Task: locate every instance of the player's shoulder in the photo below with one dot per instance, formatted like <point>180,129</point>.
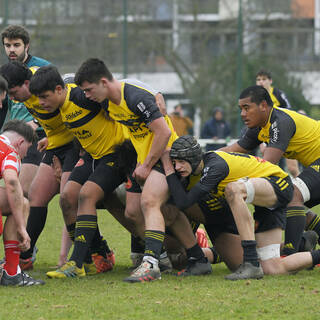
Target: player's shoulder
<point>281,114</point>
<point>78,97</point>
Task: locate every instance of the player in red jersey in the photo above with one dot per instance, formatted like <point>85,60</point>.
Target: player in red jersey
<point>15,140</point>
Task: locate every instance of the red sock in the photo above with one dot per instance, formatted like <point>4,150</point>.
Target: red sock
<point>12,253</point>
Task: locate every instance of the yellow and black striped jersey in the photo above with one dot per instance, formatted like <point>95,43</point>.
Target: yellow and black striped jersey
<point>56,132</point>
<point>221,168</point>
<point>295,134</point>
<point>279,98</point>
<point>137,109</point>
<point>88,122</point>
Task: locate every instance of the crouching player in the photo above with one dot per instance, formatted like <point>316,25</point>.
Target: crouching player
<point>15,140</point>
<point>227,182</point>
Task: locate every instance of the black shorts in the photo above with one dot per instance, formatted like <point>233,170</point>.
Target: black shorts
<point>311,177</point>
<point>133,186</point>
<point>219,221</point>
<point>283,189</point>
<point>272,218</point>
<point>268,219</point>
<point>100,171</point>
<point>34,156</point>
<point>68,155</point>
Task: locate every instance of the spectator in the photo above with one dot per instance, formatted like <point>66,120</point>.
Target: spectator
<point>279,98</point>
<point>216,128</point>
<point>180,123</point>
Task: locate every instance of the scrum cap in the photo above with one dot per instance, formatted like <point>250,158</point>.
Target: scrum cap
<point>187,148</point>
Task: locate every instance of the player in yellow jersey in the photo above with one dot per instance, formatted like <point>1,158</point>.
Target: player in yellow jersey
<point>97,174</point>
<point>292,135</point>
<point>87,184</point>
<point>228,182</point>
<point>58,141</point>
<point>150,134</point>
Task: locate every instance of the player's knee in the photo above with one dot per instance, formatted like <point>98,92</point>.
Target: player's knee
<point>131,214</point>
<point>232,190</point>
<point>149,203</point>
<point>67,201</point>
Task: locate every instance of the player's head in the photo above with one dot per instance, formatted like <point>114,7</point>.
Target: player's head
<point>18,76</point>
<point>20,134</point>
<point>47,84</point>
<point>3,89</point>
<point>186,155</point>
<point>255,104</point>
<point>94,78</point>
<point>16,41</point>
<point>263,78</point>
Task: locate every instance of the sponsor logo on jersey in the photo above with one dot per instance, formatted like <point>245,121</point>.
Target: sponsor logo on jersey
<point>141,106</point>
<point>83,134</point>
<point>73,115</point>
<point>275,135</point>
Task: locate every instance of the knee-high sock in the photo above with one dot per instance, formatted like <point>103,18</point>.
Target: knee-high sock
<point>296,220</point>
<point>85,229</point>
<point>36,222</point>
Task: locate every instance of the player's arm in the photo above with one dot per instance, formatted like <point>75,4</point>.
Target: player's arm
<point>161,103</point>
<point>279,138</point>
<point>215,171</point>
<point>272,155</point>
<point>15,200</point>
<point>235,147</point>
<point>161,138</point>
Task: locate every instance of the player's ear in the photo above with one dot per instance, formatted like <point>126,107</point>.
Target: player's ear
<point>104,81</point>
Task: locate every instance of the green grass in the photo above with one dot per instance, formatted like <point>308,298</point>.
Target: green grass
<point>106,296</point>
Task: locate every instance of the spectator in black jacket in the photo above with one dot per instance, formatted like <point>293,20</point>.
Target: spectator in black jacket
<point>216,128</point>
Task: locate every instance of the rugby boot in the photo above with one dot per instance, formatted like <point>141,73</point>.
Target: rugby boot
<point>68,270</point>
<point>21,279</point>
<point>146,272</point>
<point>246,271</point>
<point>196,267</point>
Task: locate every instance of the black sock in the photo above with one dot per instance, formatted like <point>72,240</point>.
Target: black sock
<point>154,241</point>
<point>71,228</point>
<point>250,252</point>
<point>85,229</point>
<point>96,241</point>
<point>296,220</point>
<point>314,225</point>
<point>216,256</point>
<point>36,222</point>
<point>196,252</point>
<point>137,245</point>
<point>315,257</point>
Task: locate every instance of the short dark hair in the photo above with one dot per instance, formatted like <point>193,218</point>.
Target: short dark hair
<point>16,73</point>
<point>263,72</point>
<point>3,85</point>
<point>92,70</point>
<point>16,32</point>
<point>21,128</point>
<point>257,94</point>
<point>46,78</point>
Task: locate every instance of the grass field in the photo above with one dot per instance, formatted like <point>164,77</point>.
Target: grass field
<point>106,296</point>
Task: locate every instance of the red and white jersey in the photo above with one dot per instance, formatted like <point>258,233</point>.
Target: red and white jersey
<point>9,158</point>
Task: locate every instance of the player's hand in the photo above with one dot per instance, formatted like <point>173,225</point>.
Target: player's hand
<point>141,173</point>
<point>43,144</point>
<point>24,239</point>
